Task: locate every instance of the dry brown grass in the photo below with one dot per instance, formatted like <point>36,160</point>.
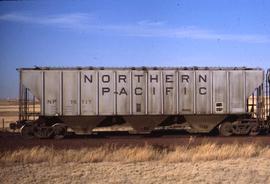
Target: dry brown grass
<point>109,153</point>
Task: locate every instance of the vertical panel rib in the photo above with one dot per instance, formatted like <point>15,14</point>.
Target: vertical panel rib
<point>212,90</point>
<point>194,92</point>
<point>79,92</point>
<point>42,93</point>
<point>161,91</point>
<point>177,91</point>
<point>61,93</point>
<point>245,95</point>
<point>131,92</point>
<point>97,94</point>
<point>114,93</point>
<point>146,92</point>
<point>228,93</point>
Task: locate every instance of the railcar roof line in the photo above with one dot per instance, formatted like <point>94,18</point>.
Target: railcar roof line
<point>138,68</point>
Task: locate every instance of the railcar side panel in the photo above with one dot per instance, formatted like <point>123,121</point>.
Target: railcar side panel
<point>52,91</point>
<point>219,92</point>
<point>254,79</point>
<point>154,92</point>
<point>89,92</point>
<point>141,91</point>
<point>107,92</point>
<point>139,80</point>
<point>203,92</point>
<point>70,93</point>
<point>170,91</point>
<point>237,91</point>
<point>33,81</point>
<point>186,92</point>
<point>123,92</point>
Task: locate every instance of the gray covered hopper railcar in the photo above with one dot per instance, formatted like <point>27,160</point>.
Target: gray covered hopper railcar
<point>197,99</point>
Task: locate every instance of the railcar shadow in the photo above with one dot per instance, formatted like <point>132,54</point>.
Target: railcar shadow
<point>126,134</point>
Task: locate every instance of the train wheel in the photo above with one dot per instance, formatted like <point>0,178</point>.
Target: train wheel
<point>27,131</point>
<point>254,130</point>
<point>43,132</point>
<point>59,131</point>
<point>225,129</point>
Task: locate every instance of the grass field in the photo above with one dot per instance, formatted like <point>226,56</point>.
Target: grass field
<point>206,163</point>
<point>111,153</point>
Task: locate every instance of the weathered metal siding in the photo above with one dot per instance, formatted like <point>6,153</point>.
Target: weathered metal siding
<point>139,81</point>
<point>186,92</point>
<point>89,92</point>
<point>237,91</point>
<point>170,91</point>
<point>253,78</point>
<point>70,93</point>
<point>123,92</point>
<point>220,91</point>
<point>52,91</point>
<point>142,91</point>
<point>155,99</point>
<point>33,80</point>
<point>106,95</point>
<point>203,92</point>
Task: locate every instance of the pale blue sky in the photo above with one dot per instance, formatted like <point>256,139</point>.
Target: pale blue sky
<point>131,33</point>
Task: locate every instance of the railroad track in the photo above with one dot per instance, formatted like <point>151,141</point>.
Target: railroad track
<point>13,141</point>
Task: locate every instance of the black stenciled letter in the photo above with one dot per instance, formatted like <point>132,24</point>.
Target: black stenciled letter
<point>153,78</point>
<point>168,78</point>
<point>139,77</point>
<point>105,90</point>
<point>201,78</point>
<point>138,91</point>
<point>185,78</point>
<point>202,90</point>
<point>123,91</point>
<point>90,79</point>
<point>168,89</point>
<point>154,91</point>
<point>105,78</point>
<point>122,77</point>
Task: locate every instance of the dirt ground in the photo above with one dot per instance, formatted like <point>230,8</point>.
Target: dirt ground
<point>254,170</point>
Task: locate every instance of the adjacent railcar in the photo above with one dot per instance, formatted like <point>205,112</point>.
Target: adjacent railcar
<point>194,98</point>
